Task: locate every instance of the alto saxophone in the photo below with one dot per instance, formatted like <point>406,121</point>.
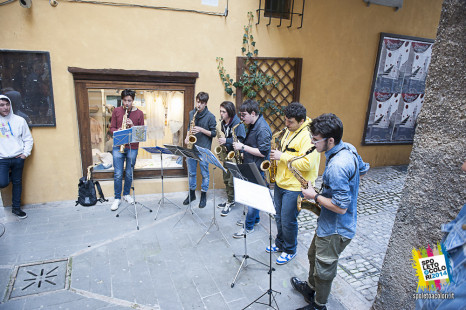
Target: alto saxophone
<point>235,154</point>
<point>271,165</point>
<point>301,202</point>
<point>221,150</point>
<point>123,127</point>
<point>192,138</point>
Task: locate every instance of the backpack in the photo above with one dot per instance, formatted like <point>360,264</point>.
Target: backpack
<point>87,195</point>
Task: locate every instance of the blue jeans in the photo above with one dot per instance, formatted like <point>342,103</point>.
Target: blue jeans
<point>118,160</point>
<point>253,217</point>
<point>287,219</point>
<point>15,165</point>
<point>192,172</point>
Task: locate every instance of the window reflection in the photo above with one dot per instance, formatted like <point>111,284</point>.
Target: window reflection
<point>163,115</point>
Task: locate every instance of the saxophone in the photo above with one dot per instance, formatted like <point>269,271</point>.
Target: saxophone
<point>221,150</point>
<point>235,154</point>
<point>123,127</point>
<point>301,202</point>
<point>271,165</point>
<point>192,138</point>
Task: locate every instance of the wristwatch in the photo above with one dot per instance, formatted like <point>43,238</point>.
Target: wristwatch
<point>242,148</point>
<point>315,197</point>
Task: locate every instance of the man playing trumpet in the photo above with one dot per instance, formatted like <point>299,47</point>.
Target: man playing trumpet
<point>295,142</point>
<point>229,121</point>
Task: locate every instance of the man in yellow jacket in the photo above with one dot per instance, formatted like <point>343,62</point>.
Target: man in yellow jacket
<point>295,141</point>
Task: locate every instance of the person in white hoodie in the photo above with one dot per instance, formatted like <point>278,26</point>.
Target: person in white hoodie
<point>15,145</point>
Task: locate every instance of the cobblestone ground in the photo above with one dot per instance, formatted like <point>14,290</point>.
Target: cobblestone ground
<point>361,262</point>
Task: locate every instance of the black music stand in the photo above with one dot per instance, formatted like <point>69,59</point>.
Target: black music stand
<point>265,204</point>
<point>250,173</point>
<point>134,134</point>
<point>210,158</point>
<point>188,153</point>
<point>161,151</point>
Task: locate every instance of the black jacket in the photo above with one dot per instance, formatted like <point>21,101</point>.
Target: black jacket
<point>259,136</point>
<point>240,132</point>
<point>206,120</point>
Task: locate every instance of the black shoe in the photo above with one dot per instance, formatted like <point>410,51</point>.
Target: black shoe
<point>192,194</point>
<point>313,306</point>
<point>19,213</point>
<point>304,289</point>
<point>221,205</point>
<point>203,201</point>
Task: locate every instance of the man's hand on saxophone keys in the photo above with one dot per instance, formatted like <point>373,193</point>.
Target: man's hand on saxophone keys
<point>222,141</point>
<point>309,192</point>
<point>275,155</point>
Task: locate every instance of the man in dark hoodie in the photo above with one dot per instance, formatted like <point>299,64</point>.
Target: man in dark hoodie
<point>204,130</point>
<point>16,145</point>
<point>229,122</point>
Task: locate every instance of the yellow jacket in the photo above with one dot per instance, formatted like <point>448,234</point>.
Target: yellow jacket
<point>308,165</point>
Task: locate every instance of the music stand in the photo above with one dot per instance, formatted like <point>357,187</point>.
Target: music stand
<point>244,173</point>
<point>134,134</point>
<point>188,153</point>
<point>262,200</point>
<point>210,158</point>
<point>161,151</point>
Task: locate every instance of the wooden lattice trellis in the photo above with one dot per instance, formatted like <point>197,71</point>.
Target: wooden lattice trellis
<point>287,74</point>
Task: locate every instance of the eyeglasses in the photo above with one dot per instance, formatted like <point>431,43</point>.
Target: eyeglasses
<point>314,141</point>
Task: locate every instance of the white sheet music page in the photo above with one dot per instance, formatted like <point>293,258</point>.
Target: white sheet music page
<point>253,195</point>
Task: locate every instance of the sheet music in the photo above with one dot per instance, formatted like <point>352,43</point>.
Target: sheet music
<point>253,195</point>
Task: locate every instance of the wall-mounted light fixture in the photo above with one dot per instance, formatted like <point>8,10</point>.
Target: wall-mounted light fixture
<point>53,3</point>
<point>25,3</point>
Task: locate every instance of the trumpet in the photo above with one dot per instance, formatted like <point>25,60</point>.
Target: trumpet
<point>221,150</point>
<point>303,203</point>
<point>123,127</point>
<point>192,138</point>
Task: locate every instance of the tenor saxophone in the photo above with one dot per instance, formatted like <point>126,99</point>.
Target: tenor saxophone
<point>123,127</point>
<point>221,150</point>
<point>302,203</point>
<point>192,138</point>
<point>271,165</point>
<point>235,154</point>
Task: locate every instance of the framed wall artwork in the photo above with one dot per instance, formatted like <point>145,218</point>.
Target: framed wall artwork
<point>398,87</point>
<point>26,78</point>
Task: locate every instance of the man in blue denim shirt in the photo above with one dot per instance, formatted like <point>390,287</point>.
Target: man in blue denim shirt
<point>454,242</point>
<point>336,225</point>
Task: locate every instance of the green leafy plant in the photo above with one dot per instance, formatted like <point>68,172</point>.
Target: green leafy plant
<point>253,80</point>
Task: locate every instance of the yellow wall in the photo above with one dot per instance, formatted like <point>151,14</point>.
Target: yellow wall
<point>338,44</point>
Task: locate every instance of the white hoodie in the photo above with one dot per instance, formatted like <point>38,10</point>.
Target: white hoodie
<point>15,137</point>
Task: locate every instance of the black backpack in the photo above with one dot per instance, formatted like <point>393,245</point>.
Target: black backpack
<point>87,195</point>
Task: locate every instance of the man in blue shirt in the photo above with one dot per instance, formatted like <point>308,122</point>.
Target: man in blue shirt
<point>336,225</point>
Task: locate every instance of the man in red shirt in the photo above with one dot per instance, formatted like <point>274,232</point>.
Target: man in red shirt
<point>135,117</point>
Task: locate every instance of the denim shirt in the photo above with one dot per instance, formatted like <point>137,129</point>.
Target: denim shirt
<point>341,184</point>
<point>454,242</point>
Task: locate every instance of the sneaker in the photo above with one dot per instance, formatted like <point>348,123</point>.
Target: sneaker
<point>272,249</point>
<point>313,306</point>
<point>115,204</point>
<point>221,205</point>
<point>240,234</point>
<point>227,208</point>
<point>19,213</point>
<point>128,199</point>
<point>240,223</point>
<point>285,258</point>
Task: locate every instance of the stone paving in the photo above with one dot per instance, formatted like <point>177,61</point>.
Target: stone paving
<point>361,262</point>
<point>108,264</point>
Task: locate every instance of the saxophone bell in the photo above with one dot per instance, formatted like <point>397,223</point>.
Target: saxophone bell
<point>265,165</point>
<point>308,205</point>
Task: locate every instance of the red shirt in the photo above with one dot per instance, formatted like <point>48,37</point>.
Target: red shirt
<point>117,118</point>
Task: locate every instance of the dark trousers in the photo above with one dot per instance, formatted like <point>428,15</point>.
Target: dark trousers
<point>228,180</point>
<point>15,165</point>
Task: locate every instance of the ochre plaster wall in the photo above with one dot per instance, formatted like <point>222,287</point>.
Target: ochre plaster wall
<point>338,44</point>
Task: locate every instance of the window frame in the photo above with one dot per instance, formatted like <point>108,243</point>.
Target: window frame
<point>85,79</point>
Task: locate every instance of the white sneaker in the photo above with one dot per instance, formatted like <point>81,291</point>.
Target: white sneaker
<point>128,199</point>
<point>115,204</point>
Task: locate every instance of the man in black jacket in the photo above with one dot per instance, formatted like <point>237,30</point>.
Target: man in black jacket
<point>256,149</point>
<point>229,121</point>
<point>204,130</point>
